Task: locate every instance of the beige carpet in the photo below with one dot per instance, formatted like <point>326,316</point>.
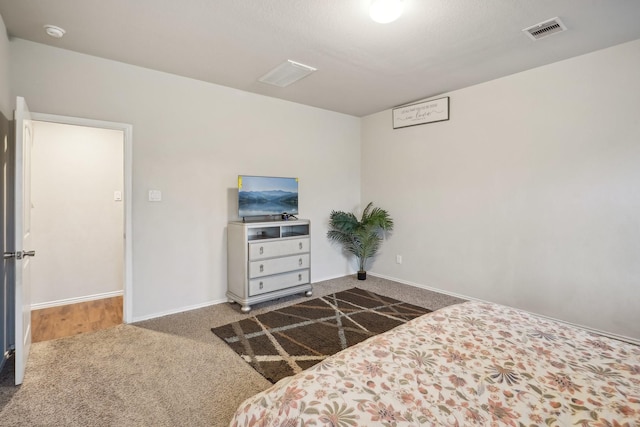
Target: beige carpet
<point>163,372</point>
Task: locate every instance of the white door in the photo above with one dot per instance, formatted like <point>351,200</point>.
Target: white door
<point>23,252</point>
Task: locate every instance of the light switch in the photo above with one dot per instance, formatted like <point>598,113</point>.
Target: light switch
<point>117,196</point>
<point>155,195</point>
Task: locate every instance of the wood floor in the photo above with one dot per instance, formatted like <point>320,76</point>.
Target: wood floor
<point>73,319</point>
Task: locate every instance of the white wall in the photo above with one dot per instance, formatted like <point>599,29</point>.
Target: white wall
<point>78,227</point>
<point>528,196</point>
<point>5,99</point>
<point>190,140</point>
<point>6,267</point>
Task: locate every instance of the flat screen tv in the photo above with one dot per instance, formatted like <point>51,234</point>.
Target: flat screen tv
<point>267,196</point>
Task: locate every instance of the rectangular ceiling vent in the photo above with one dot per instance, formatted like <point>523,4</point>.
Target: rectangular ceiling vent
<point>286,73</point>
<point>545,29</point>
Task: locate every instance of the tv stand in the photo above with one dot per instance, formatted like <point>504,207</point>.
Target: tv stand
<point>267,260</point>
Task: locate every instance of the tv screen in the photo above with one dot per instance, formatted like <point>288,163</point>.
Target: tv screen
<point>267,195</point>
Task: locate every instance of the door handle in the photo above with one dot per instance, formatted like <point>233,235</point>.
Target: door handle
<point>19,254</point>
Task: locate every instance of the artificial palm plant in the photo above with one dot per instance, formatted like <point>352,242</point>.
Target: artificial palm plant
<point>363,237</point>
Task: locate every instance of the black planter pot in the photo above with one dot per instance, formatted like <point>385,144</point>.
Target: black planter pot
<point>362,275</point>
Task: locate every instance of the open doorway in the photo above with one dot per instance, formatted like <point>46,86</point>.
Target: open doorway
<point>77,220</point>
<point>81,215</point>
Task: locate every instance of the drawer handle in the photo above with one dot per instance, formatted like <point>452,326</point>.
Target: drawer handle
<point>299,277</point>
<point>300,245</point>
<point>300,261</point>
<point>261,285</point>
<point>261,269</point>
<point>261,250</point>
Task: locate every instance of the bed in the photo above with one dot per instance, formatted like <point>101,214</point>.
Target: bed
<point>468,364</point>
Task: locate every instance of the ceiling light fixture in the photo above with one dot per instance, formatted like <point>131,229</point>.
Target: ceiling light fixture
<point>385,11</point>
<point>53,31</point>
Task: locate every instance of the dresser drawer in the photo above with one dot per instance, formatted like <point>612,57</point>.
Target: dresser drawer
<point>278,265</point>
<point>275,283</point>
<point>261,250</point>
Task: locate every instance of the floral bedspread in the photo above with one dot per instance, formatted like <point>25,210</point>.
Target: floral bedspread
<point>468,364</point>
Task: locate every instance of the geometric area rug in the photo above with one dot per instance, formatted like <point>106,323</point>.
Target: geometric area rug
<point>286,341</point>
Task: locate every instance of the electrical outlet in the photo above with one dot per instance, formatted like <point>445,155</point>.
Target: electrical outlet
<point>398,259</point>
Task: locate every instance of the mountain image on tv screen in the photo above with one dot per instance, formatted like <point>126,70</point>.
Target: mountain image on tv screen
<point>265,195</point>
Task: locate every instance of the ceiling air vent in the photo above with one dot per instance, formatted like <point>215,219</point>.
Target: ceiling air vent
<point>544,29</point>
<point>286,73</point>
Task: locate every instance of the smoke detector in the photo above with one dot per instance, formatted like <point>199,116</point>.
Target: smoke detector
<point>545,29</point>
<point>53,31</point>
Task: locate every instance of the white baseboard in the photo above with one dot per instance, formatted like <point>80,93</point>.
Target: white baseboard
<point>429,288</point>
<point>76,300</point>
<point>178,310</point>
<point>586,328</point>
<point>206,304</point>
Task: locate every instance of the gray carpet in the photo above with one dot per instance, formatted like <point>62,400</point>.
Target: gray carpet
<point>163,372</point>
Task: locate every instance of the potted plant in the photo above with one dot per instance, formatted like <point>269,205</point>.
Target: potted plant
<point>362,237</point>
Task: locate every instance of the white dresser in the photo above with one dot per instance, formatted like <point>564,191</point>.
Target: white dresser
<point>267,260</point>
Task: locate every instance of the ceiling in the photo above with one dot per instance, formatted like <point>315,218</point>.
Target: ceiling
<point>363,67</point>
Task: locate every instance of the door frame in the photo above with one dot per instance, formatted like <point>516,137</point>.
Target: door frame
<point>127,130</point>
